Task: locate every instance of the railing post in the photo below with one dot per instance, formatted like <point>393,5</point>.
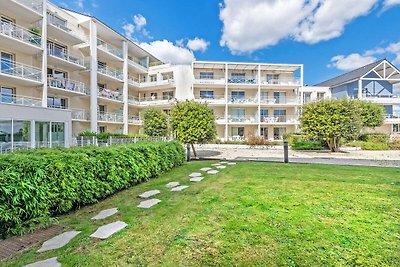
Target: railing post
<point>286,151</point>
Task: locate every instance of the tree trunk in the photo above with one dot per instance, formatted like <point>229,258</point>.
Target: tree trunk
<point>333,144</point>
<point>194,151</point>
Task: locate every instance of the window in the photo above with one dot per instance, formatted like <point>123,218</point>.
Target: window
<point>264,115</point>
<point>320,96</point>
<point>153,78</point>
<point>7,63</point>
<point>396,128</point>
<point>237,78</point>
<point>279,132</point>
<point>273,78</point>
<point>153,96</point>
<point>207,94</point>
<point>42,133</point>
<point>57,73</point>
<point>57,134</point>
<point>237,96</point>
<point>56,102</point>
<point>237,131</point>
<point>306,98</point>
<point>7,94</point>
<point>57,50</point>
<point>264,132</point>
<point>102,129</point>
<point>207,75</point>
<point>5,132</point>
<point>238,114</point>
<point>102,109</point>
<point>280,115</point>
<point>57,21</point>
<point>280,97</point>
<point>168,95</point>
<point>263,96</point>
<point>168,76</point>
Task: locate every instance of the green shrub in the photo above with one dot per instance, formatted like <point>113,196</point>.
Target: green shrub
<point>374,137</point>
<point>354,143</point>
<point>395,144</point>
<point>106,135</point>
<point>253,141</point>
<point>294,137</point>
<point>308,145</point>
<point>38,184</point>
<point>374,146</point>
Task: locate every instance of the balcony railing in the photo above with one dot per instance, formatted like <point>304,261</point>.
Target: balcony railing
<point>210,98</point>
<point>110,72</point>
<point>210,79</point>
<point>243,80</point>
<point>243,100</point>
<point>65,55</point>
<point>60,24</point>
<point>281,81</point>
<point>137,62</point>
<point>109,94</point>
<point>134,81</point>
<point>66,84</point>
<point>279,119</point>
<point>242,119</point>
<point>35,5</point>
<point>167,98</point>
<point>21,100</point>
<point>280,100</point>
<point>20,70</point>
<point>80,114</point>
<point>110,117</point>
<point>109,48</point>
<point>20,33</point>
<point>135,120</point>
<point>157,82</point>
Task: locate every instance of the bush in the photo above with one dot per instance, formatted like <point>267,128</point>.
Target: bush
<point>374,137</point>
<point>308,145</point>
<point>374,146</point>
<point>294,137</point>
<point>106,135</point>
<point>38,184</point>
<point>395,145</point>
<point>253,141</point>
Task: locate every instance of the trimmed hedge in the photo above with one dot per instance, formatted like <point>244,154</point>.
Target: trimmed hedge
<point>374,137</point>
<point>374,146</point>
<point>38,184</point>
<point>307,145</point>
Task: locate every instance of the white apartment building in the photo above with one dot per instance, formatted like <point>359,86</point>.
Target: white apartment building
<point>63,73</point>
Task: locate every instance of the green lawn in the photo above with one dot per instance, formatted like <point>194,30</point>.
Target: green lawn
<point>250,214</point>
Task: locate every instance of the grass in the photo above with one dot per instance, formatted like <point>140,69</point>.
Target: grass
<point>250,214</point>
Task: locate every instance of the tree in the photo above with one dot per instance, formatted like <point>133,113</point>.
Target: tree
<point>155,122</point>
<point>193,123</point>
<point>334,120</point>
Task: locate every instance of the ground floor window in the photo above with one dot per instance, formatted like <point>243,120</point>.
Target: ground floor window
<point>264,132</point>
<point>102,129</point>
<point>396,128</point>
<point>237,131</point>
<point>279,132</point>
<point>14,135</point>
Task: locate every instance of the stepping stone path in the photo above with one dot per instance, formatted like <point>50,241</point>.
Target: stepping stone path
<point>231,163</point>
<point>213,172</point>
<point>149,193</point>
<point>149,203</point>
<point>58,241</point>
<point>172,184</point>
<point>206,169</point>
<point>179,188</point>
<point>105,213</point>
<point>52,262</point>
<point>215,164</point>
<point>223,162</point>
<point>108,230</point>
<point>195,174</point>
<point>196,179</point>
<point>221,167</point>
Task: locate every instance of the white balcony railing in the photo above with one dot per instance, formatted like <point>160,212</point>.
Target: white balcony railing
<point>242,80</point>
<point>209,79</point>
<point>135,120</point>
<point>280,101</point>
<point>134,81</point>
<point>279,119</point>
<point>109,94</point>
<point>53,20</point>
<point>212,99</point>
<point>281,81</point>
<point>20,33</point>
<point>137,62</point>
<point>20,70</point>
<point>110,72</point>
<point>80,114</point>
<point>243,100</point>
<point>65,55</point>
<point>242,119</point>
<point>110,117</point>
<point>66,84</point>
<point>35,5</point>
<point>109,48</point>
<point>21,100</point>
<point>166,98</point>
<point>156,83</point>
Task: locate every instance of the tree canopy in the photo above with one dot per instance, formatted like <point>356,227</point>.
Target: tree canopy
<point>155,122</point>
<point>335,120</point>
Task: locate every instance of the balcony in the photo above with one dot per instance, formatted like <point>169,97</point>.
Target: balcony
<point>110,73</point>
<point>28,10</point>
<point>244,100</point>
<point>64,58</point>
<point>153,100</point>
<point>110,117</point>
<point>280,101</point>
<point>252,80</point>
<point>21,39</point>
<point>133,81</point>
<point>383,99</point>
<point>392,118</point>
<point>281,119</point>
<point>135,120</point>
<point>18,73</point>
<point>281,82</point>
<point>68,86</point>
<point>209,80</point>
<point>109,94</point>
<point>161,84</point>
<point>59,29</point>
<point>109,51</point>
<point>133,101</point>
<point>80,115</point>
<point>242,119</point>
<point>21,100</point>
<point>220,119</point>
<point>137,65</point>
<point>211,99</point>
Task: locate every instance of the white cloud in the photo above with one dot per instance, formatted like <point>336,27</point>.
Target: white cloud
<point>356,60</point>
<point>139,21</point>
<point>138,25</point>
<point>255,24</point>
<point>168,52</point>
<point>79,3</point>
<point>198,44</point>
<point>390,3</point>
<point>350,62</point>
<point>94,4</point>
<point>129,29</point>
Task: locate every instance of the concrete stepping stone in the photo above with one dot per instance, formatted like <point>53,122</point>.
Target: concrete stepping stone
<point>149,203</point>
<point>231,163</point>
<point>213,172</point>
<point>58,241</point>
<point>196,179</point>
<point>215,164</point>
<point>179,188</point>
<point>206,169</point>
<point>221,167</point>
<point>52,262</point>
<point>172,184</point>
<point>105,213</point>
<point>195,174</point>
<point>105,231</point>
<point>149,193</point>
<point>223,162</point>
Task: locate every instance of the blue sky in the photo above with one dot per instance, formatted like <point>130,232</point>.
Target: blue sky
<point>328,36</point>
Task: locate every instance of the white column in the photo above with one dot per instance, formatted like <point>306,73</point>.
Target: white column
<point>226,102</point>
<point>259,100</point>
<point>93,76</point>
<point>125,86</point>
<point>360,89</point>
<point>44,54</point>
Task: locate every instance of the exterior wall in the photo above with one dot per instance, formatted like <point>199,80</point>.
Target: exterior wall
<point>349,90</point>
